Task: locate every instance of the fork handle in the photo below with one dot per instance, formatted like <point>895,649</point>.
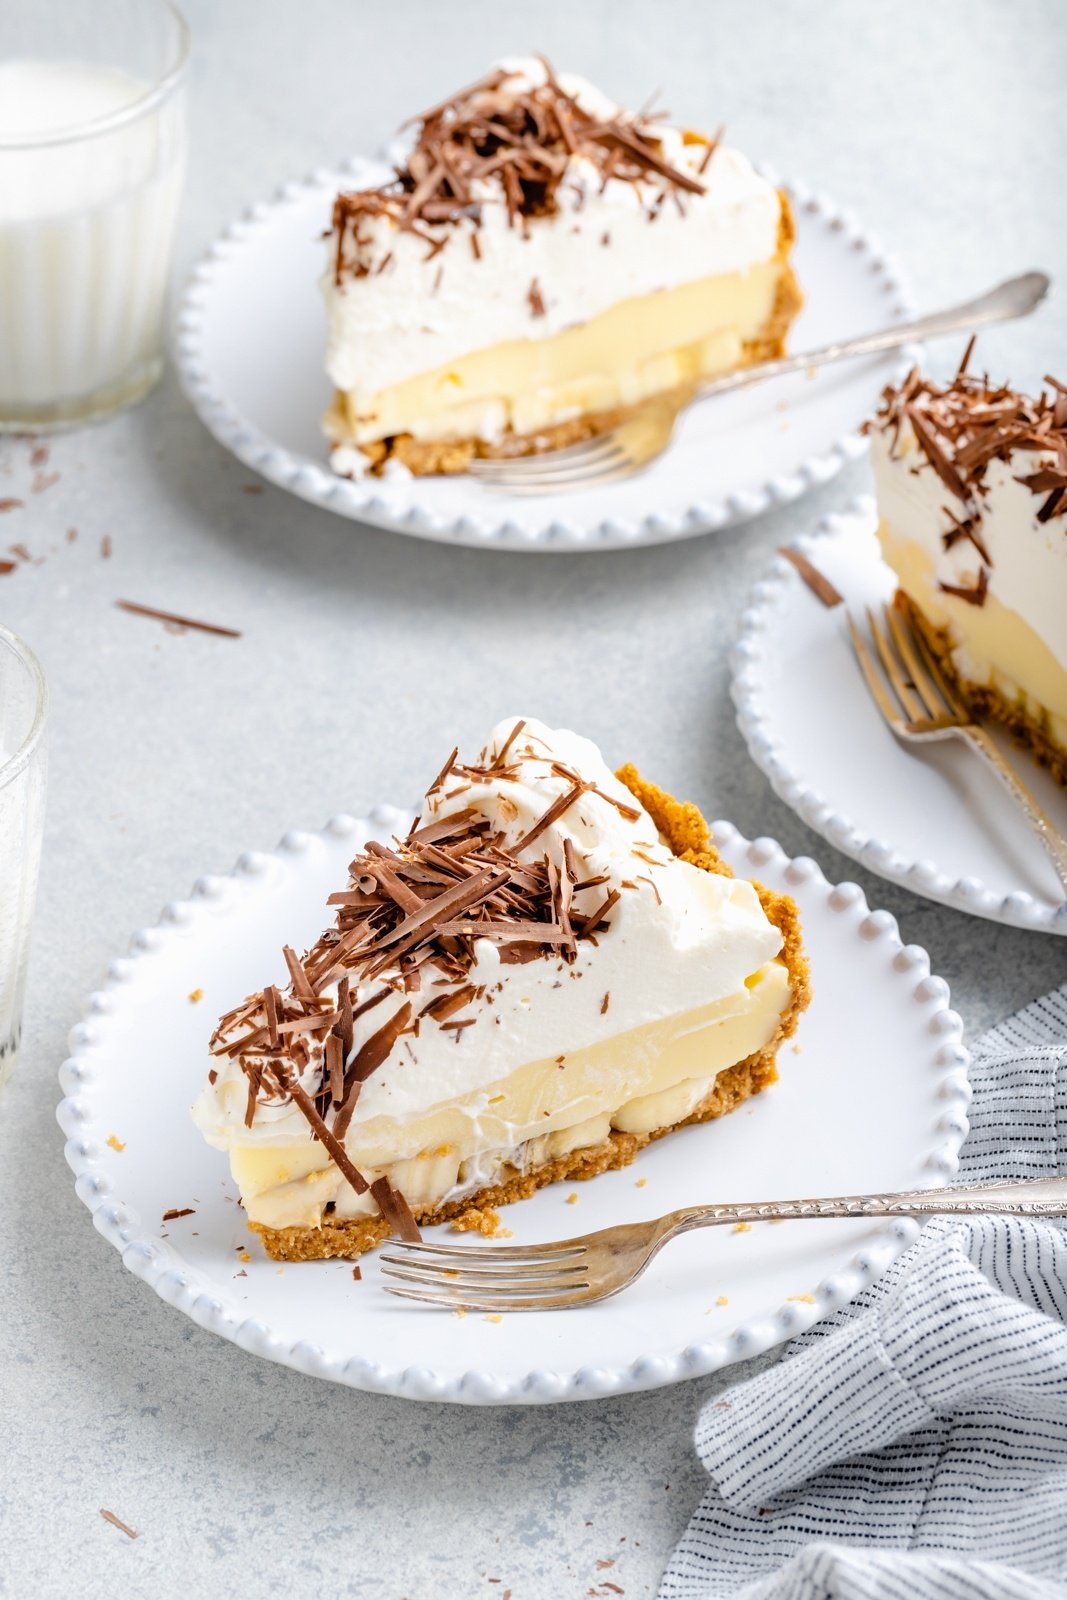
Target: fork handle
<point>1016,297</point>
<point>1036,815</point>
<point>1031,1197</point>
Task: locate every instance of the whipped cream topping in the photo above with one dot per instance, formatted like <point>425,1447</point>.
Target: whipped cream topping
<point>490,279</point>
<point>1026,568</point>
<point>674,939</point>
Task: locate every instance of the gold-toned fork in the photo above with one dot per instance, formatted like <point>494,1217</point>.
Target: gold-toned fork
<point>639,438</point>
<point>922,707</point>
<point>576,1272</point>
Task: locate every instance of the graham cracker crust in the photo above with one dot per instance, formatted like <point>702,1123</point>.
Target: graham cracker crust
<point>1029,731</point>
<point>447,457</point>
<point>685,830</point>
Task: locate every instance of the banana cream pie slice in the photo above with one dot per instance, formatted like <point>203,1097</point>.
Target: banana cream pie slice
<point>543,262</point>
<point>971,480</point>
<point>552,968</point>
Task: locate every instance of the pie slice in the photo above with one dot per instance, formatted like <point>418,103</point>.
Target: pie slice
<point>971,479</point>
<point>542,262</point>
<point>551,969</point>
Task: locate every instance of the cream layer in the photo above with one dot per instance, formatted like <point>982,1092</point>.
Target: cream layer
<point>992,644</point>
<point>639,347</point>
<point>647,1077</point>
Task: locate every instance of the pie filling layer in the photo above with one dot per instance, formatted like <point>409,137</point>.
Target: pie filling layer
<point>637,348</point>
<point>992,645</point>
<point>646,1078</point>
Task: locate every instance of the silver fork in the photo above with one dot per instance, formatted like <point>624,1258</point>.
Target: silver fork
<point>645,433</point>
<point>575,1272</point>
<point>922,707</point>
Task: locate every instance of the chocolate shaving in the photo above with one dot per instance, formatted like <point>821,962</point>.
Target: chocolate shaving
<point>709,151</point>
<point>302,986</point>
<point>178,1211</point>
<point>395,1209</point>
<point>964,528</point>
<point>377,1047</point>
<point>446,1005</point>
<point>500,759</point>
<point>117,1522</point>
<point>561,804</point>
<point>335,1068</point>
<point>590,923</point>
<point>819,585</point>
<point>443,774</point>
<point>288,1083</point>
<point>177,619</point>
<point>536,299</point>
<point>931,448</point>
<point>345,1110</point>
<point>976,595</point>
<point>272,1008</point>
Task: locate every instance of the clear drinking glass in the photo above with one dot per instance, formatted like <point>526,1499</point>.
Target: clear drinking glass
<point>92,159</point>
<point>23,701</point>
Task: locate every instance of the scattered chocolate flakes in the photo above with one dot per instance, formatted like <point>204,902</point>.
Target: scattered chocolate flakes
<point>520,140</point>
<point>39,454</point>
<point>7,566</point>
<point>178,1211</point>
<point>357,1273</point>
<point>962,426</point>
<point>72,534</point>
<point>179,621</point>
<point>20,551</point>
<point>605,1003</point>
<point>395,1209</point>
<point>10,504</point>
<point>117,1522</point>
<point>105,547</point>
<point>816,581</point>
<point>251,488</point>
<point>536,299</point>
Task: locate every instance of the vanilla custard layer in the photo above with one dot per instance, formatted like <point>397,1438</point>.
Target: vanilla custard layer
<point>637,348</point>
<point>649,1077</point>
<point>992,644</point>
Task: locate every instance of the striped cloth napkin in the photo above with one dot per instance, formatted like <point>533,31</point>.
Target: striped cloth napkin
<point>915,1444</point>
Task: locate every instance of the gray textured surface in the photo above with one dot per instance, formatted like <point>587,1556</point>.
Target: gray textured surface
<point>363,656</point>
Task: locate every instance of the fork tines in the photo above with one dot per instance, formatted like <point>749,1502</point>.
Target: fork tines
<point>592,461</point>
<point>477,1278</point>
<point>924,699</point>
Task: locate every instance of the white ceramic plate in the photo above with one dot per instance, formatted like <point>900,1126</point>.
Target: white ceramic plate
<point>249,347</point>
<point>874,1097</point>
<point>937,821</point>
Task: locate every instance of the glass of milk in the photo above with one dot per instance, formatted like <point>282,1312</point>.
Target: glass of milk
<point>92,157</point>
<point>23,703</point>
